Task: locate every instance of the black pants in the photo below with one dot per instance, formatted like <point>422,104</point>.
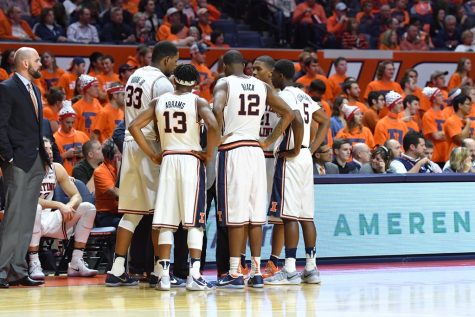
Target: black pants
<point>141,248</point>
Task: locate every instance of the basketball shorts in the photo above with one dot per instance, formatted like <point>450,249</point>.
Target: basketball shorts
<point>181,196</point>
<point>270,162</point>
<point>241,186</point>
<point>293,190</point>
<point>53,226</point>
<point>138,179</point>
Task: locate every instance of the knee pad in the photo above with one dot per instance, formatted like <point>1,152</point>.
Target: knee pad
<point>195,238</point>
<point>165,236</point>
<point>129,222</point>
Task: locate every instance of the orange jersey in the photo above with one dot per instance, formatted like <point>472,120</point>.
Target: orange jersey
<point>131,5</point>
<point>50,114</point>
<point>67,82</point>
<point>105,80</point>
<point>370,118</point>
<point>49,79</point>
<point>454,82</point>
<point>433,121</point>
<point>383,86</point>
<point>335,82</point>
<point>362,106</point>
<point>3,74</point>
<point>86,114</point>
<point>106,121</point>
<point>163,31</point>
<point>453,126</point>
<point>326,107</point>
<point>365,136</point>
<point>105,177</point>
<point>305,80</point>
<point>389,127</point>
<point>411,123</point>
<point>205,74</point>
<point>66,141</point>
<point>448,111</point>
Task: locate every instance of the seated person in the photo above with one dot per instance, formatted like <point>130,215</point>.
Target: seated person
<point>57,220</point>
<point>379,163</point>
<point>342,153</point>
<point>322,161</point>
<point>105,179</point>
<point>460,161</point>
<point>84,170</point>
<point>361,154</point>
<point>413,160</point>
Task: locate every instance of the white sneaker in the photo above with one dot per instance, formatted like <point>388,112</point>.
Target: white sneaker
<point>164,283</point>
<point>81,270</point>
<point>197,284</point>
<point>311,277</point>
<point>36,272</point>
<point>283,278</point>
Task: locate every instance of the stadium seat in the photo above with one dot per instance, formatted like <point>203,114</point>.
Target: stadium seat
<point>226,26</point>
<point>248,39</point>
<point>230,38</point>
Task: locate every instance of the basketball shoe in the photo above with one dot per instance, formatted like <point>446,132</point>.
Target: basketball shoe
<point>198,284</point>
<point>231,281</point>
<point>270,269</point>
<point>311,277</point>
<point>35,271</point>
<point>284,278</point>
<point>80,269</point>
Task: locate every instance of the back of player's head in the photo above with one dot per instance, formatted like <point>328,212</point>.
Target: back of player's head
<point>285,67</point>
<point>163,49</point>
<point>266,60</point>
<point>317,85</point>
<point>459,100</point>
<point>409,99</point>
<point>186,75</point>
<point>233,57</point>
<point>411,138</point>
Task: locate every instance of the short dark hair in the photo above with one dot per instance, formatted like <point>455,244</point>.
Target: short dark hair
<point>337,144</point>
<point>95,56</point>
<point>409,99</point>
<point>44,13</point>
<point>373,95</point>
<point>176,28</point>
<point>339,59</point>
<point>430,144</point>
<point>163,49</point>
<point>187,72</point>
<point>318,85</point>
<point>54,95</point>
<point>411,138</point>
<point>215,34</point>
<point>142,49</point>
<point>347,84</point>
<point>310,60</point>
<point>285,67</point>
<point>87,147</point>
<point>267,60</point>
<point>109,57</point>
<point>460,100</point>
<point>233,57</point>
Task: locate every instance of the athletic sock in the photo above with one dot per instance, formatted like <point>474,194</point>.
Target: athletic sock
<point>243,260</point>
<point>233,266</point>
<point>255,265</point>
<point>310,263</point>
<point>274,259</point>
<point>290,255</point>
<point>195,265</point>
<point>118,268</point>
<point>78,253</point>
<point>163,268</point>
<point>33,256</point>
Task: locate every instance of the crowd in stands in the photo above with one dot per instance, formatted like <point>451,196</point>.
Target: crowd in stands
<point>348,24</point>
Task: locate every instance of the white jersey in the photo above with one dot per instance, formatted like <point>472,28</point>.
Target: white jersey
<point>178,121</point>
<point>143,86</point>
<point>48,184</point>
<point>297,99</point>
<point>268,122</point>
<point>244,108</point>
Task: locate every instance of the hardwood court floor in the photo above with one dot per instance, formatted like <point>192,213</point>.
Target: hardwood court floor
<point>384,290</point>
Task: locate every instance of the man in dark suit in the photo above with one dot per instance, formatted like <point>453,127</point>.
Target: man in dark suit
<point>23,159</point>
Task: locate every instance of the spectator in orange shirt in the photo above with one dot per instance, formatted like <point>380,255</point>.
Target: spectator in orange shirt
<point>352,91</point>
<point>55,97</point>
<point>204,25</point>
<point>353,38</point>
<point>142,30</point>
<point>304,11</point>
<point>50,72</point>
<point>412,41</point>
<point>88,106</point>
<point>95,64</point>
<point>214,13</point>
<point>217,39</point>
<point>335,80</point>
<point>461,77</point>
<point>391,127</point>
<point>105,179</point>
<point>433,124</point>
<point>371,116</point>
<point>131,5</point>
<point>309,19</point>
<point>389,41</point>
<point>311,73</point>
<point>299,67</point>
<point>437,80</point>
<point>68,80</point>
<point>15,28</point>
<point>7,63</point>
<point>198,59</point>
<point>112,113</point>
<point>409,85</point>
<point>38,5</point>
<point>384,82</point>
<point>143,57</point>
<point>459,126</point>
<point>69,140</point>
<point>179,35</point>
<point>354,131</point>
<point>337,23</point>
<point>172,17</point>
<point>411,108</point>
<point>125,71</point>
<point>107,77</point>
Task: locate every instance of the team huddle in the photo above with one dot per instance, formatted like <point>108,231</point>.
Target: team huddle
<point>265,131</point>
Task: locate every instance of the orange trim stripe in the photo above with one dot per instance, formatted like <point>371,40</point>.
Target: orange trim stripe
<point>233,145</point>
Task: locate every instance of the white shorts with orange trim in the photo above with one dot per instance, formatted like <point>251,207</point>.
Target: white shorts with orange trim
<point>181,196</point>
<point>138,179</point>
<point>293,191</point>
<point>241,184</point>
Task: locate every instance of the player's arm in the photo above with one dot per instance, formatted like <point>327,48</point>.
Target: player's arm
<point>464,134</point>
<point>283,111</point>
<point>323,121</point>
<point>205,113</point>
<point>135,128</point>
<point>220,93</point>
<point>298,130</point>
<point>67,210</point>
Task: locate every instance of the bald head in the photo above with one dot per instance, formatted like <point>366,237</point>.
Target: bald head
<point>394,146</point>
<point>361,152</point>
<point>27,63</point>
<point>469,143</point>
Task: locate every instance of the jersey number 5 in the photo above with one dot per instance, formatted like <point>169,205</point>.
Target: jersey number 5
<point>180,126</point>
<point>252,102</point>
<point>133,97</point>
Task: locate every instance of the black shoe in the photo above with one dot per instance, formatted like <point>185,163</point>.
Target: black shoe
<point>4,283</point>
<point>26,281</point>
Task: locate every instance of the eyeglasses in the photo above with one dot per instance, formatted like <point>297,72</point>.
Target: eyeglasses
<point>325,151</point>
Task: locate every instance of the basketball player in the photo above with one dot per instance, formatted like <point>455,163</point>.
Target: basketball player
<point>139,174</point>
<point>262,70</point>
<point>181,196</point>
<point>57,220</point>
<point>239,104</point>
<point>292,197</point>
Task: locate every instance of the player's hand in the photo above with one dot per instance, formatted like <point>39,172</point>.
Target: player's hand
<point>67,212</point>
<point>70,153</point>
<point>423,161</point>
<point>157,158</point>
<point>203,155</point>
<point>288,153</point>
<point>263,144</point>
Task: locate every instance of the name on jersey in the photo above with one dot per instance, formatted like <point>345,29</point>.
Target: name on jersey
<point>265,131</point>
<point>47,187</point>
<point>301,97</point>
<point>247,87</point>
<point>137,80</point>
<point>174,104</point>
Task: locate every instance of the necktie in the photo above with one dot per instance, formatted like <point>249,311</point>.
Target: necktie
<point>321,170</point>
<point>33,99</point>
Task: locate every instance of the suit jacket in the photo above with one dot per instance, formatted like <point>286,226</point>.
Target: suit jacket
<point>330,168</point>
<point>20,129</point>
